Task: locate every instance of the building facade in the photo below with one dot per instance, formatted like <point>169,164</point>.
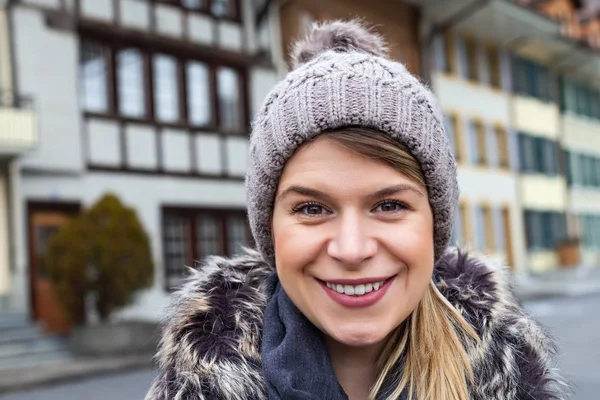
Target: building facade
<point>505,74</point>
<point>150,100</point>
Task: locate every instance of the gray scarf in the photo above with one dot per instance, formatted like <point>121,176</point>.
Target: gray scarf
<point>296,364</point>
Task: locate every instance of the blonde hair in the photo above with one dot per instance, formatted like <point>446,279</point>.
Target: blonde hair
<point>431,341</point>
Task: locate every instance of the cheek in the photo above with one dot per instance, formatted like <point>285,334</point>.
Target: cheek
<point>295,245</point>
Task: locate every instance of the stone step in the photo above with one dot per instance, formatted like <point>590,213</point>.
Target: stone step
<point>36,345</point>
<point>10,320</point>
<point>34,360</point>
<point>28,332</point>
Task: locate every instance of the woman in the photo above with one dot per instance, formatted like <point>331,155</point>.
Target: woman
<point>352,292</point>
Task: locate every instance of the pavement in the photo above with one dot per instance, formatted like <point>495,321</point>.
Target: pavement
<point>567,285</point>
<point>12,380</point>
<point>559,283</point>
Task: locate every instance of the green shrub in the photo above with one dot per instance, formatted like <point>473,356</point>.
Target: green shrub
<point>105,250</point>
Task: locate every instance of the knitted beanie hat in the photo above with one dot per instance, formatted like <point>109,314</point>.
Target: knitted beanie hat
<point>342,77</point>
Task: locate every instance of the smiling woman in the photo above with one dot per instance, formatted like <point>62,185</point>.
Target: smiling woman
<point>352,292</point>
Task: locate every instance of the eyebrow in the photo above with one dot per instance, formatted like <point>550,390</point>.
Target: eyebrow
<point>388,191</point>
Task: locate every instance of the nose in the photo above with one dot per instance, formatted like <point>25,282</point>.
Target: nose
<point>352,242</point>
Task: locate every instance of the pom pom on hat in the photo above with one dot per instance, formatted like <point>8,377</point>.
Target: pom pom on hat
<point>339,36</point>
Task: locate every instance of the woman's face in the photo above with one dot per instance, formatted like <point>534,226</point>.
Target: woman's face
<point>353,242</point>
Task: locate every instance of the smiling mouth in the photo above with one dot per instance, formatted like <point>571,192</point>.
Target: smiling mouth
<point>357,290</point>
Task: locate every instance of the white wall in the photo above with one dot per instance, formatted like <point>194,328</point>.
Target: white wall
<point>472,100</point>
<point>98,9</point>
<point>141,146</point>
<point>135,14</point>
<point>176,150</point>
<point>262,81</point>
<point>581,134</point>
<point>47,62</point>
<point>208,152</point>
<point>104,142</point>
<point>230,36</point>
<point>169,20</point>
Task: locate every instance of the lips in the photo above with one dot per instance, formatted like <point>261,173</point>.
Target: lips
<point>357,293</point>
<point>355,290</point>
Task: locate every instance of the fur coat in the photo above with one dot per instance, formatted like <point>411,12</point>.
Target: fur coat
<point>211,340</point>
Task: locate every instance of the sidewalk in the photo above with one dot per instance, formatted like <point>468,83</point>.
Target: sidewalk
<point>28,378</point>
<point>564,282</point>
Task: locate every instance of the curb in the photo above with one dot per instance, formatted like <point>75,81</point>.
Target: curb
<point>554,291</point>
<point>21,379</point>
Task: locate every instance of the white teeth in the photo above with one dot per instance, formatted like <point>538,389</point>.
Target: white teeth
<point>358,290</point>
<point>349,290</point>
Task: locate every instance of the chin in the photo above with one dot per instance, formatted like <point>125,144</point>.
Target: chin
<point>358,336</point>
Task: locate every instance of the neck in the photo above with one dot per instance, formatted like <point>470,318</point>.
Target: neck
<point>355,367</point>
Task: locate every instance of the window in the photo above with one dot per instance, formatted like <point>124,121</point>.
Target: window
<point>228,93</point>
<point>449,52</point>
<point>191,235</point>
<point>93,71</point>
<point>130,75</point>
<point>222,9</point>
<point>484,228</point>
<point>580,99</point>
<point>499,229</point>
<point>457,238</point>
<point>162,88</point>
<point>453,132</point>
<point>493,61</point>
<point>166,90</point>
<point>198,90</point>
<point>544,229</point>
<point>538,155</point>
<point>469,59</point>
<point>477,146</point>
<point>532,79</point>
<point>569,96</point>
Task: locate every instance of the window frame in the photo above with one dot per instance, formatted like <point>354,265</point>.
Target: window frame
<point>237,4</point>
<point>502,138</point>
<point>149,51</point>
<point>192,215</point>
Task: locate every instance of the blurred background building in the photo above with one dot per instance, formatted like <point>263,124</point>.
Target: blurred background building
<point>152,100</point>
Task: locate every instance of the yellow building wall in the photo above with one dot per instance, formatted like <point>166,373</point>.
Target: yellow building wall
<point>543,193</point>
<point>541,261</point>
<point>581,134</point>
<point>536,117</point>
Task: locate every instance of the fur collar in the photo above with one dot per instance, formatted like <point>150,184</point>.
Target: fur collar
<point>210,347</point>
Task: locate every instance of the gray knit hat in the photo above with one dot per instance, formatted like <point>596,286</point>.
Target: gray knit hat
<point>342,77</point>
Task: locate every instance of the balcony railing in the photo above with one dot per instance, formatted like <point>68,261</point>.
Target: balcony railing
<point>18,131</point>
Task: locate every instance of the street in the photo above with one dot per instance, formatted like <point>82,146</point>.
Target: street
<point>573,321</point>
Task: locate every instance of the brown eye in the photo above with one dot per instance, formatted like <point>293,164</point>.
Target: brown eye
<point>390,206</point>
<point>312,209</point>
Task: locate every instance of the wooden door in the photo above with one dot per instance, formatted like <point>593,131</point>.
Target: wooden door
<point>43,224</point>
